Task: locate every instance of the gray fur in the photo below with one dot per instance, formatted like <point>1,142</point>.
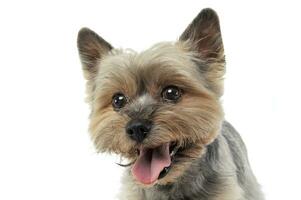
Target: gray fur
<point>142,107</point>
<point>222,173</point>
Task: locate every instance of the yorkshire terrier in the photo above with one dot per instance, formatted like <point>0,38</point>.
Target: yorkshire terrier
<point>160,109</point>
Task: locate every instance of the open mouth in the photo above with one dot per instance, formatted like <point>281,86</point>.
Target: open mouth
<point>153,164</point>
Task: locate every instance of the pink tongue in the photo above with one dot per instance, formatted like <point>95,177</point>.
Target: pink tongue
<point>150,163</point>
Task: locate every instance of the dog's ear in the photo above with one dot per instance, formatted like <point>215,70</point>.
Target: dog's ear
<point>91,49</point>
<point>205,35</point>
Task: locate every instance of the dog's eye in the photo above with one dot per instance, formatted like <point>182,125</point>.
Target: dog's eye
<point>171,93</point>
<point>119,100</point>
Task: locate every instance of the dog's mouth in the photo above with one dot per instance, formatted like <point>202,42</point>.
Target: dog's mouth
<point>153,164</point>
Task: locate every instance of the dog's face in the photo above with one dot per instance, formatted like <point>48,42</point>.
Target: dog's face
<point>160,107</point>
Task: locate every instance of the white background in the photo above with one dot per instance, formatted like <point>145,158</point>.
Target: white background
<point>45,150</point>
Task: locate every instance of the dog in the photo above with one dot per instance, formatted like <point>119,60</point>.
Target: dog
<point>160,109</point>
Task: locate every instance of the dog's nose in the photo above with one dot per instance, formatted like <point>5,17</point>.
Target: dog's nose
<point>138,129</point>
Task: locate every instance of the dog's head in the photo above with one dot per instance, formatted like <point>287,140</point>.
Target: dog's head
<point>158,108</point>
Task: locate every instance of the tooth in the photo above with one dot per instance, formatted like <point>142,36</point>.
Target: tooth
<point>174,151</point>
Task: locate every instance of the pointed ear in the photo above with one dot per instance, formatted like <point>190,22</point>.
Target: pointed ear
<point>91,49</point>
<point>205,35</point>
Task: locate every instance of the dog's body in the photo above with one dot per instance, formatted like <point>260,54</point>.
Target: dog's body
<point>161,110</point>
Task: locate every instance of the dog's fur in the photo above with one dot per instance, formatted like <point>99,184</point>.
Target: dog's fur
<point>212,161</point>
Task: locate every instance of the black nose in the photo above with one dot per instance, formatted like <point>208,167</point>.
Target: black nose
<point>138,129</point>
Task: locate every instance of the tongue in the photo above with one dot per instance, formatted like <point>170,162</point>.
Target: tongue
<point>150,163</point>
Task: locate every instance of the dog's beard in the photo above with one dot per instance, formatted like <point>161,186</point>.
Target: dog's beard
<point>163,163</point>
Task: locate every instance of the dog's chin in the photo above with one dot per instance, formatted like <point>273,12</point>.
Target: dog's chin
<point>162,164</point>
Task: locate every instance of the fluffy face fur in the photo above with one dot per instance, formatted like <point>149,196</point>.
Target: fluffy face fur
<point>194,63</point>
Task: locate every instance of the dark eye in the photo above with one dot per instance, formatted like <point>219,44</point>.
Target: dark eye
<point>171,93</point>
<point>119,100</point>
